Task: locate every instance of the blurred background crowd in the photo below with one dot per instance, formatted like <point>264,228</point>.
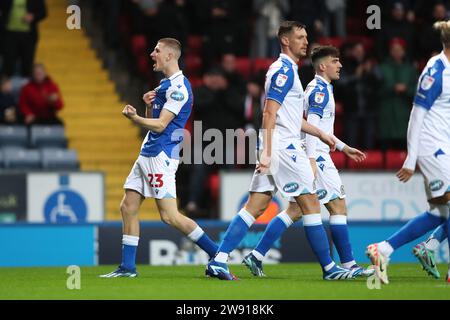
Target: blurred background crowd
<point>227,48</point>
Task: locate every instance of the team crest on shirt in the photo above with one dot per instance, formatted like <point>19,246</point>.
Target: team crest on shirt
<point>319,97</point>
<point>281,80</point>
<point>177,96</point>
<point>427,82</point>
<point>435,185</point>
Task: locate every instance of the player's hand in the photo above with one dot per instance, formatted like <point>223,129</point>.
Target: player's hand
<point>404,174</point>
<point>354,154</point>
<point>313,163</point>
<point>327,139</point>
<point>264,163</point>
<point>149,97</point>
<point>129,111</point>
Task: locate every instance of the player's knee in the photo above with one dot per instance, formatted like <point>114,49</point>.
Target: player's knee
<point>167,218</point>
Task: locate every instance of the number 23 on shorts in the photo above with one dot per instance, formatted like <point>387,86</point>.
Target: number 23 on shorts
<point>156,180</point>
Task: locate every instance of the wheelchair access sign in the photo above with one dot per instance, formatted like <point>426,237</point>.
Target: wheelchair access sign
<point>65,198</point>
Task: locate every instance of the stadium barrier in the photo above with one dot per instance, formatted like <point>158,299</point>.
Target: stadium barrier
<point>370,196</point>
<point>92,244</point>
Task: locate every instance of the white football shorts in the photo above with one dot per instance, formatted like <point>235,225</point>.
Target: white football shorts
<point>290,173</point>
<point>153,177</point>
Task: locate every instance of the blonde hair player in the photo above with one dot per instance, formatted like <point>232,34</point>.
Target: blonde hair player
<point>153,174</point>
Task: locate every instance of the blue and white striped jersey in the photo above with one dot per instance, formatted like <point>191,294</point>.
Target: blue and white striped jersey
<point>173,94</point>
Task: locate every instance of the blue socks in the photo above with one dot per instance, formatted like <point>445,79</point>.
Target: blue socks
<point>235,233</point>
<point>273,231</point>
<point>341,239</point>
<point>129,248</point>
<point>203,241</point>
<point>414,229</point>
<point>318,240</point>
<point>440,233</point>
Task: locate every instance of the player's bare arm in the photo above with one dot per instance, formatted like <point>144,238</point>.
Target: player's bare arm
<point>155,125</point>
<point>268,125</point>
<point>314,131</point>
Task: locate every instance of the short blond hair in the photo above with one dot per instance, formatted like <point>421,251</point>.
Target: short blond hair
<point>444,28</point>
<point>173,44</point>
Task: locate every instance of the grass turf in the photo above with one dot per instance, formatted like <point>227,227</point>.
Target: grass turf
<point>284,281</point>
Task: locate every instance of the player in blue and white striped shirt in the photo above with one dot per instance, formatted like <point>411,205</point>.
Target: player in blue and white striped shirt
<point>153,174</point>
<point>429,147</point>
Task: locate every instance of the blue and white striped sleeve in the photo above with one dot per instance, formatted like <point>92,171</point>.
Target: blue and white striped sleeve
<point>280,84</point>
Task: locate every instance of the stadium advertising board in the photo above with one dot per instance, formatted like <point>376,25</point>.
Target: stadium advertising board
<point>161,245</point>
<point>369,196</point>
<point>13,199</point>
<point>65,198</point>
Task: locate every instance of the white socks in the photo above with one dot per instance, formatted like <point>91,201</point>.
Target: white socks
<point>385,248</point>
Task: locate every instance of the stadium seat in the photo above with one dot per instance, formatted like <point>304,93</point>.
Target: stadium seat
<point>243,66</point>
<point>195,44</point>
<point>374,161</point>
<point>214,185</point>
<point>193,64</point>
<point>138,45</point>
<point>261,65</point>
<point>195,81</point>
<point>339,108</point>
<point>395,159</point>
<point>13,136</point>
<point>48,136</point>
<point>59,159</point>
<point>21,159</point>
<point>339,159</point>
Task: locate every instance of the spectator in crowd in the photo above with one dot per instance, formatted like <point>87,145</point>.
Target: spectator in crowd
<point>335,17</point>
<point>396,91</point>
<point>269,14</point>
<point>396,26</point>
<point>234,78</point>
<point>217,106</point>
<point>429,41</point>
<point>40,99</point>
<point>356,90</point>
<point>8,105</point>
<point>20,20</point>
<point>220,20</point>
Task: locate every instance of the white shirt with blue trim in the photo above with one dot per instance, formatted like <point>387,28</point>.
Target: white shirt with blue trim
<point>319,100</point>
<point>283,86</point>
<point>433,94</point>
<point>175,95</point>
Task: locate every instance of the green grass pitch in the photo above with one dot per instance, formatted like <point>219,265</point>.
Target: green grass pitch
<point>284,281</point>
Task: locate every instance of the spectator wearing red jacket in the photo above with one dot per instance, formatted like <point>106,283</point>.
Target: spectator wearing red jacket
<point>40,99</point>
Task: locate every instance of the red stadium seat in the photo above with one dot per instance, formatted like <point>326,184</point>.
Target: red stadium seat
<point>374,161</point>
<point>195,81</point>
<point>395,159</point>
<point>243,66</point>
<point>193,64</point>
<point>214,185</point>
<point>339,109</point>
<point>261,65</point>
<point>138,45</point>
<point>195,44</point>
<point>332,41</point>
<point>339,159</point>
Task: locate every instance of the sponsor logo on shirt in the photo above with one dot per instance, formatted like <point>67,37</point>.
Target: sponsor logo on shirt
<point>177,96</point>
